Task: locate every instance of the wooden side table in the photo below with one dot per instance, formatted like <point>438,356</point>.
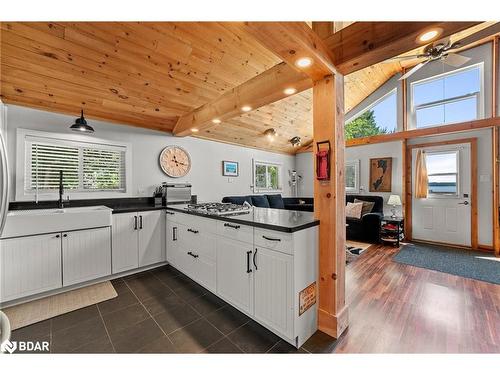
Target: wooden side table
<point>392,230</point>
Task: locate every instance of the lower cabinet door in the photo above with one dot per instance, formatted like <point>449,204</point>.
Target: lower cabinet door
<point>29,265</point>
<point>151,237</point>
<point>235,273</point>
<point>86,255</point>
<point>174,255</point>
<point>274,290</point>
<point>125,242</point>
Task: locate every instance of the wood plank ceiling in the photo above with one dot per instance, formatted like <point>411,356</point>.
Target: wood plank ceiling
<point>149,74</point>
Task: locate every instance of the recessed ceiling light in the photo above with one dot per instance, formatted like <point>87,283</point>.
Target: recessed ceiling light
<point>216,121</point>
<point>303,62</point>
<point>246,108</point>
<point>194,130</point>
<point>429,35</point>
<point>290,91</point>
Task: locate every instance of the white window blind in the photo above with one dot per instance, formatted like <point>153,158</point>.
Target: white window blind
<point>86,167</point>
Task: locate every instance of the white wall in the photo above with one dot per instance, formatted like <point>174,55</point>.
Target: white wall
<point>485,181</point>
<point>305,166</point>
<point>206,171</point>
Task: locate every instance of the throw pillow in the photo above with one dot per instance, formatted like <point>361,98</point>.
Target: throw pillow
<point>276,201</point>
<point>367,206</point>
<point>260,201</point>
<point>353,210</point>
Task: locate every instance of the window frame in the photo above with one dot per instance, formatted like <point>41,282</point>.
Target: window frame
<point>355,164</point>
<point>25,137</point>
<point>479,95</point>
<point>267,164</point>
<point>459,187</point>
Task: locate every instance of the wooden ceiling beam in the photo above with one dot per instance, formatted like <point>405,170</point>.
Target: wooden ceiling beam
<point>259,91</point>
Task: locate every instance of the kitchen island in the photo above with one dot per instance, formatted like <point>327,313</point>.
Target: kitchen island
<point>263,262</point>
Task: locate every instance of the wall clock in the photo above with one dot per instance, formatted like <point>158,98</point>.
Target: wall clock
<point>175,161</point>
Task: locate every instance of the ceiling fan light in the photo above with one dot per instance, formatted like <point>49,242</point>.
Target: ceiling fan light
<point>290,91</point>
<point>216,121</point>
<point>81,125</point>
<point>303,62</point>
<point>429,35</point>
<point>246,108</point>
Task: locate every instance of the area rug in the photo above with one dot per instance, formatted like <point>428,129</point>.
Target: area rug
<point>466,263</point>
<point>354,249</point>
<point>45,308</point>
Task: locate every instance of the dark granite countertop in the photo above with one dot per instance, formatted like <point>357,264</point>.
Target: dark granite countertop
<point>267,218</point>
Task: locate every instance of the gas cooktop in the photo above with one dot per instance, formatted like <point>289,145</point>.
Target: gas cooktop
<point>219,209</point>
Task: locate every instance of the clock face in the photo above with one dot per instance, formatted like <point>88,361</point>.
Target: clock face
<point>175,161</point>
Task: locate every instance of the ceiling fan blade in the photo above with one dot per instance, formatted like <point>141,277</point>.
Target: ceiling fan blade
<point>481,34</point>
<point>455,60</point>
<point>413,70</point>
<point>402,58</point>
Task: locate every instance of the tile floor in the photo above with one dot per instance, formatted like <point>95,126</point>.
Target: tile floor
<point>162,311</point>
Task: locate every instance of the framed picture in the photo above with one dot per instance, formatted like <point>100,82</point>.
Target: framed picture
<point>230,168</point>
<point>381,175</point>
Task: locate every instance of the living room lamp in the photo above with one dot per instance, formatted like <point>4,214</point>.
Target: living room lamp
<point>394,200</point>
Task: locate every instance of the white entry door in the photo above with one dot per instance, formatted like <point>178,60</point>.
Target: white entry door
<point>445,215</point>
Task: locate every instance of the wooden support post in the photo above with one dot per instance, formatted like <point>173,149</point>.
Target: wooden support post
<point>329,205</point>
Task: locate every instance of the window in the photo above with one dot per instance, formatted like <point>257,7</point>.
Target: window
<point>442,172</point>
<point>352,176</point>
<point>449,98</point>
<point>89,166</point>
<point>267,176</point>
<point>379,118</point>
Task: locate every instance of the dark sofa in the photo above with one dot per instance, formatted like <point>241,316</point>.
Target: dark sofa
<point>273,201</point>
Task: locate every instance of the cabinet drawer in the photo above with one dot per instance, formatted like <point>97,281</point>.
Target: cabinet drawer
<point>235,231</point>
<point>274,240</point>
<point>197,223</point>
<point>204,273</point>
<point>199,243</point>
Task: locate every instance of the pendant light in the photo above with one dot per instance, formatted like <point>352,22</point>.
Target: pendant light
<point>81,125</point>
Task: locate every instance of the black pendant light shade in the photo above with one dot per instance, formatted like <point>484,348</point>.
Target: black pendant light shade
<point>81,125</point>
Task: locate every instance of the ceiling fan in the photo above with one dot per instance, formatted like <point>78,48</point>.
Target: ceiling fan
<point>445,50</point>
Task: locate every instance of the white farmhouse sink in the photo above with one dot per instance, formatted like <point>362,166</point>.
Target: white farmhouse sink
<point>29,222</point>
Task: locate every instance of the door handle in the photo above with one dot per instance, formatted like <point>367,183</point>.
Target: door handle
<point>248,261</point>
<point>254,255</point>
<point>135,222</point>
<point>174,234</point>
<point>466,203</point>
<point>140,222</point>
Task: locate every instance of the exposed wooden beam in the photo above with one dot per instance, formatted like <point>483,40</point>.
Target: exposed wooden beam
<point>259,91</point>
<point>329,206</point>
<point>292,41</point>
<point>362,44</point>
<point>323,29</point>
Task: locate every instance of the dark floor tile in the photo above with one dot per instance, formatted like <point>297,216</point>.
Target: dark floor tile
<point>165,273</point>
<point>102,345</point>
<point>159,304</point>
<point>125,318</point>
<point>72,318</point>
<point>120,286</point>
<point>136,337</point>
<point>173,319</point>
<point>148,286</point>
<point>195,337</point>
<point>67,340</point>
<point>253,338</point>
<point>223,346</point>
<point>124,299</point>
<point>320,342</point>
<point>160,345</point>
<point>177,281</point>
<point>286,348</point>
<point>207,303</point>
<point>227,319</point>
<point>188,289</point>
<point>33,332</point>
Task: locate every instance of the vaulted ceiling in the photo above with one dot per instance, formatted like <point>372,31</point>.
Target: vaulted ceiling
<point>150,74</point>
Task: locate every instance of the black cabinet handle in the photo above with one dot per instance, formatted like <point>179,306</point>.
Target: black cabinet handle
<point>192,231</point>
<point>271,239</point>
<point>140,222</point>
<point>58,236</point>
<point>254,255</point>
<point>248,262</point>
<point>135,222</point>
<point>174,234</point>
<point>231,226</point>
<point>193,255</point>
<point>65,235</point>
<point>169,213</point>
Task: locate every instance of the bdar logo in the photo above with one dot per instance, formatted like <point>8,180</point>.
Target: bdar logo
<point>8,346</point>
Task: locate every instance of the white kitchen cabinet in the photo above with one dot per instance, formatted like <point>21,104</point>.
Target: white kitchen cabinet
<point>125,242</point>
<point>86,255</point>
<point>29,265</point>
<point>173,248</point>
<point>235,273</point>
<point>151,237</point>
<point>273,283</point>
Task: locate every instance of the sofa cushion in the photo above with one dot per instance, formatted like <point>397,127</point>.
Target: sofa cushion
<point>367,206</point>
<point>237,200</point>
<point>353,210</point>
<point>260,201</point>
<point>275,201</point>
